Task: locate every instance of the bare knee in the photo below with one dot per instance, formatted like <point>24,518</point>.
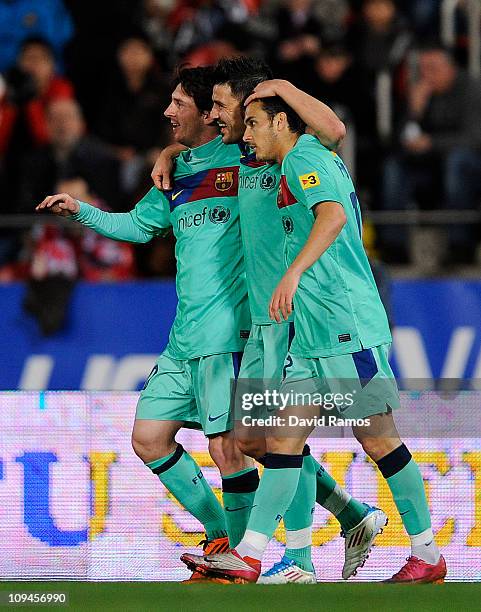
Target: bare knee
<point>151,443</point>
<point>226,454</point>
<point>380,438</point>
<point>377,448</point>
<point>285,445</point>
<point>252,447</point>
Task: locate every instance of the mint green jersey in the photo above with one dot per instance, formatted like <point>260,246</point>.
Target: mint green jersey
<point>262,233</point>
<point>212,313</point>
<point>337,308</point>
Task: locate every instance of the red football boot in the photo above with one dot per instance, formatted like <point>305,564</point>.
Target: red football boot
<point>216,545</point>
<point>229,565</point>
<point>417,571</point>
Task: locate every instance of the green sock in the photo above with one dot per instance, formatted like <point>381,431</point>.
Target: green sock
<point>347,510</point>
<point>238,491</point>
<point>407,488</point>
<point>181,475</point>
<point>299,516</point>
<point>274,495</point>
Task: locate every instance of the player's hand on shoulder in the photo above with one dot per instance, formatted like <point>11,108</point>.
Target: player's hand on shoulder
<point>164,167</point>
<point>60,204</point>
<point>266,89</point>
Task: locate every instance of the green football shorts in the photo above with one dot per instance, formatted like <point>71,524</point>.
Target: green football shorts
<point>354,386</point>
<point>266,350</point>
<point>195,391</point>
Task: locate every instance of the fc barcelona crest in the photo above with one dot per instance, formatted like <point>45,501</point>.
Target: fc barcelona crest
<point>224,181</point>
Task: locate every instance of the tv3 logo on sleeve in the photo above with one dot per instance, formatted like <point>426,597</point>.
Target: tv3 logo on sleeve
<point>309,180</point>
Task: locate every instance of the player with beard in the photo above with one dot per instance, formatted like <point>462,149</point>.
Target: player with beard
<point>190,382</point>
<point>268,344</point>
<point>341,344</point>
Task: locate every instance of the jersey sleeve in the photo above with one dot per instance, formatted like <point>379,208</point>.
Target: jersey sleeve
<point>149,218</point>
<point>309,180</point>
<point>152,213</point>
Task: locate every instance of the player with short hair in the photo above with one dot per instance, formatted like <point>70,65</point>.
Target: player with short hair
<point>341,343</point>
<point>268,344</point>
<point>190,384</point>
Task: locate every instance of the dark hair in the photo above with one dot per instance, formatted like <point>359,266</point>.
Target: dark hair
<point>197,83</point>
<point>242,74</point>
<point>433,46</point>
<point>37,40</point>
<point>275,105</point>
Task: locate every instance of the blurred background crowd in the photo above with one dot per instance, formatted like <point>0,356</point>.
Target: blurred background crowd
<point>83,87</point>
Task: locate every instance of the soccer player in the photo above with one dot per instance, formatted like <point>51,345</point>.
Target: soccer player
<point>268,344</point>
<point>190,383</point>
<point>341,342</point>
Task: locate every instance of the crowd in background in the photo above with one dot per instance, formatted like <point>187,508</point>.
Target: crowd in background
<point>83,87</point>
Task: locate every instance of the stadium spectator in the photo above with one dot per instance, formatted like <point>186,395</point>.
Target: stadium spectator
<point>439,159</point>
<point>298,42</point>
<point>380,39</point>
<point>196,23</point>
<point>31,86</point>
<point>424,16</point>
<point>153,21</point>
<point>8,238</point>
<point>22,19</point>
<point>71,151</point>
<point>99,259</point>
<point>52,275</point>
<point>131,111</point>
<point>379,42</point>
<point>36,60</point>
<point>334,80</point>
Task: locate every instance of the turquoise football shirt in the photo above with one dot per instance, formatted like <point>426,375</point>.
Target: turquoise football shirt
<point>337,308</point>
<point>202,210</point>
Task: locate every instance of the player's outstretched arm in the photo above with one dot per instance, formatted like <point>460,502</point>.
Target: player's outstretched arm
<point>330,219</point>
<point>118,226</point>
<point>322,120</point>
<point>162,171</point>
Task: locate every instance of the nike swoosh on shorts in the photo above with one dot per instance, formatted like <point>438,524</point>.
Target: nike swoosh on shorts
<point>211,419</point>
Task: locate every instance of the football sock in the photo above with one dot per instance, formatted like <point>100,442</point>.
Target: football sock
<point>347,510</point>
<point>181,475</point>
<point>424,547</point>
<point>299,516</point>
<point>238,491</point>
<point>274,495</point>
<point>407,487</point>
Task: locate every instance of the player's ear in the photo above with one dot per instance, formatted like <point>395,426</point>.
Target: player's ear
<point>207,118</point>
<point>280,121</point>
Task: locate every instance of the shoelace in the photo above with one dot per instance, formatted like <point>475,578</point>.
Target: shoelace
<point>405,571</point>
<point>204,543</point>
<point>279,567</point>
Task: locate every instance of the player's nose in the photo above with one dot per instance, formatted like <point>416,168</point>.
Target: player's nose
<point>169,111</point>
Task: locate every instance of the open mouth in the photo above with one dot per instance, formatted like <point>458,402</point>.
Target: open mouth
<point>174,125</point>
